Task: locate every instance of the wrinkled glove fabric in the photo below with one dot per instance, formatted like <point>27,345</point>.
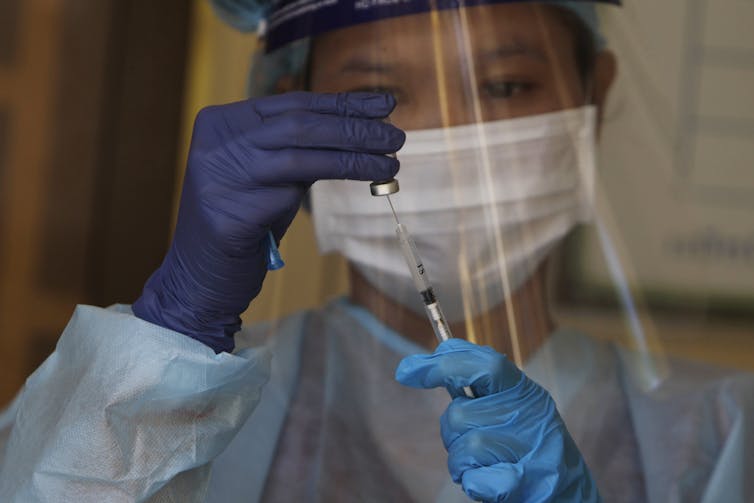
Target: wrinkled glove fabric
<point>509,444</point>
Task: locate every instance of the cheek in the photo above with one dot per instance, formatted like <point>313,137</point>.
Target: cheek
<point>548,95</point>
<point>568,88</point>
<point>420,109</point>
<point>319,82</point>
<point>544,99</point>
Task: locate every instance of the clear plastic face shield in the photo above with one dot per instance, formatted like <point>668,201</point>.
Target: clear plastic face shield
<point>532,243</point>
<point>498,167</point>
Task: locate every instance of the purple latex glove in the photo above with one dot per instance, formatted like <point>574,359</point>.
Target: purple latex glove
<point>249,166</point>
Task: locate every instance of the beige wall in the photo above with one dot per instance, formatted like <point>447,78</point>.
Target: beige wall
<point>83,207</point>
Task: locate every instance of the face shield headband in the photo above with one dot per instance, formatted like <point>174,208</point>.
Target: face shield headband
<point>290,20</point>
<point>284,21</point>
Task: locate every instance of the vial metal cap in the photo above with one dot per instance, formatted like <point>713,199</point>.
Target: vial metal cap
<point>384,188</point>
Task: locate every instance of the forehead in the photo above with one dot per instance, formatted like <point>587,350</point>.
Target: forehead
<point>484,29</point>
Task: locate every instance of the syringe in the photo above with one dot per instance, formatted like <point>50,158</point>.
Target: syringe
<point>418,272</point>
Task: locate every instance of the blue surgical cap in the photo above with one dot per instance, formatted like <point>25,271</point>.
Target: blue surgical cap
<point>291,58</point>
<point>244,15</point>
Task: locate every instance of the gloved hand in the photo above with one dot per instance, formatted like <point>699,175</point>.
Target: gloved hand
<point>249,166</point>
<point>509,443</point>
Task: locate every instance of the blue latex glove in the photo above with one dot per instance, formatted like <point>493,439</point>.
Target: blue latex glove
<point>249,166</point>
<point>509,443</point>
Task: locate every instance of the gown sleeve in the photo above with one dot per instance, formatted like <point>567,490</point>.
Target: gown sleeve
<point>124,410</point>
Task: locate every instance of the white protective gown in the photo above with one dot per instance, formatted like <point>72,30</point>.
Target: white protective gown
<point>127,411</point>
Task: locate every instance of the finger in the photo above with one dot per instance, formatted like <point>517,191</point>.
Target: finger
<point>457,363</point>
<point>307,166</point>
<point>251,212</point>
<point>464,415</point>
<point>498,483</point>
<point>309,130</point>
<point>526,408</point>
<point>480,447</point>
<point>361,104</point>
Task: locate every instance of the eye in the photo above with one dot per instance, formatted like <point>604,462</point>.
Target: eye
<point>506,89</point>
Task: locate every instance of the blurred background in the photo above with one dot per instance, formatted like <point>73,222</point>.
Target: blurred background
<point>97,100</point>
<point>90,117</point>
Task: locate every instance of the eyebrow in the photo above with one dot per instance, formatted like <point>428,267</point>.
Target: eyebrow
<point>515,50</point>
<point>357,65</point>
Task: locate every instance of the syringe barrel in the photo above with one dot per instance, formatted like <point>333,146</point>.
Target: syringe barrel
<point>421,281</point>
<point>408,248</point>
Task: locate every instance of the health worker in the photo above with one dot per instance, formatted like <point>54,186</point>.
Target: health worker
<point>493,109</point>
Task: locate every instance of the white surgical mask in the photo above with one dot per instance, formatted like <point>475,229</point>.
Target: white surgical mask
<point>485,204</point>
